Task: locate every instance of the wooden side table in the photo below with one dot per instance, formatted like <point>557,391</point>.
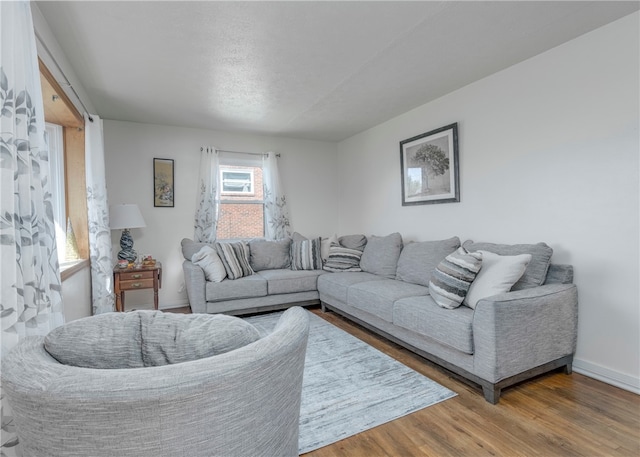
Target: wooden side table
<point>135,279</point>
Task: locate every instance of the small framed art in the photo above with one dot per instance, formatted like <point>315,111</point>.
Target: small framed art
<point>163,187</point>
<point>429,165</point>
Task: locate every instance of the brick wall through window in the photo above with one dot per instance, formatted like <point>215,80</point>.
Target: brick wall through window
<point>242,220</point>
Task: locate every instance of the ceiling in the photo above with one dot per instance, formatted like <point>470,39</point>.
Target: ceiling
<point>313,70</point>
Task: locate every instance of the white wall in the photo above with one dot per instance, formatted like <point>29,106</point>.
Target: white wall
<point>76,295</point>
<point>548,152</point>
<point>307,170</point>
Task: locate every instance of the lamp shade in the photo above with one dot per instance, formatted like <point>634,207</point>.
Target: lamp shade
<point>125,216</point>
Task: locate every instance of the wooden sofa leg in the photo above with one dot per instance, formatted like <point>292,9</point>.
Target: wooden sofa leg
<point>491,394</point>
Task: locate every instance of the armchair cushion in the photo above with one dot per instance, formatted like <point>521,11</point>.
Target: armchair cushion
<point>146,338</point>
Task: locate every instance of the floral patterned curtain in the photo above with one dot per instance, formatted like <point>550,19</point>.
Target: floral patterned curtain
<point>98,218</point>
<point>276,212</point>
<point>31,300</point>
<point>208,200</point>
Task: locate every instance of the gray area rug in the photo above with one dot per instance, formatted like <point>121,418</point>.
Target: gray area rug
<point>350,386</point>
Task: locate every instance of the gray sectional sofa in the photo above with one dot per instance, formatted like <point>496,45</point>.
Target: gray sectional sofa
<point>509,337</point>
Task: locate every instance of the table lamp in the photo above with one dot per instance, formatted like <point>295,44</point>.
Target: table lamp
<point>125,217</point>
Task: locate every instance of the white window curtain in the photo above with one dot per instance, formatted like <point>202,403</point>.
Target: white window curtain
<point>98,218</point>
<point>31,300</point>
<point>208,199</point>
<point>276,211</point>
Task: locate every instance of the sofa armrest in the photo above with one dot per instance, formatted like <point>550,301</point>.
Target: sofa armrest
<point>516,331</point>
<point>195,282</point>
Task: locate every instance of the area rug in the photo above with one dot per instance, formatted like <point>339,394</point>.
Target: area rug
<point>350,387</point>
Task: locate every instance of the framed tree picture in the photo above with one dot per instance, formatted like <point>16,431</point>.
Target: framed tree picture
<point>429,165</point>
<point>163,188</point>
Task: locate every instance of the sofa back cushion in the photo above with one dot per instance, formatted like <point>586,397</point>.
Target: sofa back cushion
<point>380,255</point>
<point>418,260</point>
<point>269,255</point>
<point>536,271</point>
<point>146,338</point>
<point>190,247</point>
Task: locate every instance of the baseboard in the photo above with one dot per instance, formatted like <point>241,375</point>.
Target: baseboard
<point>175,304</point>
<point>607,375</point>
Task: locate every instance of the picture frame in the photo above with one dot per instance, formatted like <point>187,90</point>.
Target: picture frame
<point>429,167</point>
<point>163,183</point>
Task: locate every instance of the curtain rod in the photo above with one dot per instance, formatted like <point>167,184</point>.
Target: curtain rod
<point>66,83</point>
<point>241,152</point>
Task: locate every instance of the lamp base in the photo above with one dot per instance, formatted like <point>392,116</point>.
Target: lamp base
<point>126,246</point>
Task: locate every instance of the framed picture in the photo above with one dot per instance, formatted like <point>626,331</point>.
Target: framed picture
<point>429,164</point>
<point>163,189</point>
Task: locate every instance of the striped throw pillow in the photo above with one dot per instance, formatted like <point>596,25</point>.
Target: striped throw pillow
<point>453,276</point>
<point>235,258</point>
<point>343,259</point>
<point>306,254</point>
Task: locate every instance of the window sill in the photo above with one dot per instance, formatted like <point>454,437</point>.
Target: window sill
<point>68,269</point>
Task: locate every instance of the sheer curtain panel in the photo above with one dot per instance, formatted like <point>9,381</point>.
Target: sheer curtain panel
<point>208,199</point>
<point>98,218</point>
<point>276,211</point>
<point>31,300</point>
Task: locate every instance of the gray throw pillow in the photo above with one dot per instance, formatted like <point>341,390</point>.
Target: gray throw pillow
<point>269,255</point>
<point>419,260</point>
<point>536,271</point>
<point>381,254</point>
<point>353,241</point>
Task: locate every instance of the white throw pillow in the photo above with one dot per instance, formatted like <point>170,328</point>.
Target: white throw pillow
<point>207,259</point>
<point>498,275</point>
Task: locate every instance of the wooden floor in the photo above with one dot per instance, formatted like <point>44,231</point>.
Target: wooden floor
<point>553,415</point>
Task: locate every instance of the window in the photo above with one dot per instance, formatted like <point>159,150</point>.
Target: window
<point>65,136</point>
<point>241,213</point>
<point>236,181</point>
<point>56,161</point>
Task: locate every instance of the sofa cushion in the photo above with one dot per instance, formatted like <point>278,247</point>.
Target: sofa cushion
<point>269,255</point>
<point>536,271</point>
<point>453,276</point>
<point>246,287</point>
<point>452,327</point>
<point>377,297</point>
<point>381,254</point>
<point>235,257</point>
<point>343,259</point>
<point>190,247</point>
<point>498,275</point>
<point>208,259</point>
<point>336,285</point>
<point>418,260</point>
<point>559,274</point>
<point>285,281</point>
<point>306,255</point>
<point>146,338</point>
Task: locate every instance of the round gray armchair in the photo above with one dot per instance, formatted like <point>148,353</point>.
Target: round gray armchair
<point>154,384</point>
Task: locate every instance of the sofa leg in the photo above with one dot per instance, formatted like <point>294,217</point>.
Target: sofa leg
<point>568,368</point>
<point>491,394</point>
<point>323,308</point>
